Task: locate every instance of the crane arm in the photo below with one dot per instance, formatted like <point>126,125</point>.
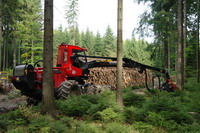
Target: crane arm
<point>107,62</point>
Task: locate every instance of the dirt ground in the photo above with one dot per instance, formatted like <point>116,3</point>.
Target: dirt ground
<point>11,101</point>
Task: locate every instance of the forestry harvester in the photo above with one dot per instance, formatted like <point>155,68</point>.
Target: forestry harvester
<point>72,69</point>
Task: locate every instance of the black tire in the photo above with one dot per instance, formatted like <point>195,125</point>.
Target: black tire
<point>90,89</point>
<point>31,101</point>
<point>67,88</point>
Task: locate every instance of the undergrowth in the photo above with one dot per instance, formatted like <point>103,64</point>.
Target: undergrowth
<point>173,112</point>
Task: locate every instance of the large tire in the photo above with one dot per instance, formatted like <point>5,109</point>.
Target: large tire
<point>67,88</point>
<point>90,89</point>
<point>31,101</point>
<point>95,89</point>
<point>72,88</point>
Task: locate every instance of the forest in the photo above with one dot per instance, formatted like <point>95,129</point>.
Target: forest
<point>25,31</point>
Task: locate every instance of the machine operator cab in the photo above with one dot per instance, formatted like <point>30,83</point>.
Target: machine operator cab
<point>67,55</point>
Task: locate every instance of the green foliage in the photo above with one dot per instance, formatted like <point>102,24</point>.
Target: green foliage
<point>131,99</point>
<point>137,50</point>
<point>38,124</point>
<point>143,127</point>
<point>98,46</point>
<point>159,22</point>
<point>29,113</point>
<point>60,36</point>
<point>169,107</point>
<point>155,119</point>
<point>67,121</point>
<point>75,106</point>
<point>172,112</point>
<point>87,41</point>
<point>47,124</point>
<point>72,13</point>
<point>159,112</point>
<point>11,120</point>
<point>118,128</point>
<point>132,114</point>
<point>72,18</point>
<point>81,127</point>
<point>101,107</point>
<point>109,115</point>
<point>16,118</point>
<point>109,43</point>
<point>17,130</point>
<point>106,100</point>
<point>29,30</point>
<point>192,128</point>
<point>23,32</point>
<point>192,85</point>
<point>58,127</point>
<point>4,122</point>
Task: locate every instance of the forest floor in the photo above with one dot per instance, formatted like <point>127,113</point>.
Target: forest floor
<point>11,101</point>
<point>143,112</point>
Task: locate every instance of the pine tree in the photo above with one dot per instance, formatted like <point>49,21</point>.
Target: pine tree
<point>137,50</point>
<point>109,43</point>
<point>98,46</point>
<point>155,22</point>
<point>72,18</point>
<point>48,105</point>
<point>1,33</point>
<point>180,53</point>
<point>87,41</point>
<point>197,45</point>
<point>119,83</point>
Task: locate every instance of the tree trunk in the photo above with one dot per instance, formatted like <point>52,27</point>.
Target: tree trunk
<point>32,52</point>
<point>197,49</point>
<point>179,61</point>
<point>166,54</point>
<point>169,62</point>
<point>4,51</point>
<point>184,37</point>
<point>14,52</point>
<point>7,58</point>
<point>48,105</point>
<point>19,52</point>
<point>1,34</point>
<point>119,53</point>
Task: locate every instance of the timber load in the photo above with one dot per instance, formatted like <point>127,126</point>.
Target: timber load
<point>107,76</point>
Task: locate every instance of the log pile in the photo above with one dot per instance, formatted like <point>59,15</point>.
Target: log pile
<point>107,76</point>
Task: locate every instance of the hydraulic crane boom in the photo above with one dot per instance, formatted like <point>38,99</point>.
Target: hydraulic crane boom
<point>127,63</point>
<point>108,62</point>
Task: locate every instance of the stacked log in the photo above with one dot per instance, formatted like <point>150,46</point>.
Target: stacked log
<point>107,76</point>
